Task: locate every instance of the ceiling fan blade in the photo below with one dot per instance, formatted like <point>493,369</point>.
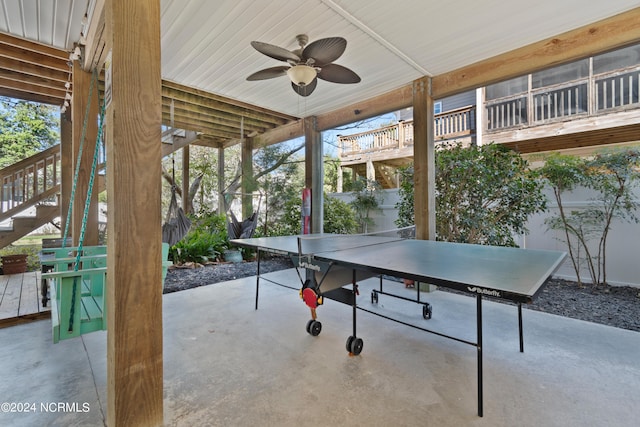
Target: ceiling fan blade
<point>338,74</point>
<point>325,51</point>
<point>305,90</point>
<point>269,73</point>
<point>275,52</point>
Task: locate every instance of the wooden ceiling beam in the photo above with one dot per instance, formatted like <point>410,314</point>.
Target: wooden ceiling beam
<point>197,120</point>
<point>30,57</point>
<point>602,36</point>
<point>34,69</point>
<point>228,101</point>
<point>219,106</point>
<point>372,107</point>
<point>607,136</point>
<point>274,136</point>
<point>30,79</point>
<point>28,96</point>
<point>27,45</point>
<point>95,49</point>
<point>215,117</point>
<point>200,127</point>
<point>208,142</point>
<point>33,88</point>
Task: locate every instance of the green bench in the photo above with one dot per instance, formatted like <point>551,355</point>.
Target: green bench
<point>78,298</point>
<point>54,258</point>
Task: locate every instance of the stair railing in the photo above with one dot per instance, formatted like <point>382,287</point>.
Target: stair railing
<point>29,182</point>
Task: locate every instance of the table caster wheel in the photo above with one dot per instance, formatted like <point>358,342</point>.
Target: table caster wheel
<point>314,327</point>
<point>354,345</point>
<point>427,311</point>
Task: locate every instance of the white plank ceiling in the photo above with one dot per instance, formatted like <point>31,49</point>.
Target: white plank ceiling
<point>206,44</point>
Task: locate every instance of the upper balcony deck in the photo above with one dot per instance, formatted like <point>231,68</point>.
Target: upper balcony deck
<point>396,140</point>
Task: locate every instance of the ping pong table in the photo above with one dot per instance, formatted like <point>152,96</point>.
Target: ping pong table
<point>333,262</point>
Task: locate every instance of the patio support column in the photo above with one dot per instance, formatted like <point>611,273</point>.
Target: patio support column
<point>340,182</point>
<point>480,116</point>
<point>134,277</point>
<point>314,172</point>
<point>371,171</point>
<point>221,202</point>
<point>248,183</point>
<point>185,179</point>
<point>424,160</point>
<point>66,167</point>
<point>82,81</point>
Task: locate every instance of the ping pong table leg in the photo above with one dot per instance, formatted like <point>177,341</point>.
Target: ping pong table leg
<point>479,345</point>
<point>258,277</point>
<point>354,344</point>
<point>520,327</point>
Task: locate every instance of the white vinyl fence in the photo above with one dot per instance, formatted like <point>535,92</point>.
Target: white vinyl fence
<point>623,248</point>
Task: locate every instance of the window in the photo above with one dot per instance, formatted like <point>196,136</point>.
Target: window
<point>508,88</point>
<point>623,58</point>
<point>561,74</point>
<point>437,107</point>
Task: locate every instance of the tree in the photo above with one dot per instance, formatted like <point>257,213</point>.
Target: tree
<point>484,194</point>
<point>611,176</point>
<point>405,206</point>
<point>564,173</point>
<point>26,128</point>
<point>366,200</point>
<point>267,161</point>
<point>279,174</point>
<point>331,167</point>
<point>338,217</point>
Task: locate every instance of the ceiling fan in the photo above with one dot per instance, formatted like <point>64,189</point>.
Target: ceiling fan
<point>306,64</point>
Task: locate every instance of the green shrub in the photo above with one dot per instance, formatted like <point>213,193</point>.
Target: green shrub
<point>206,240</point>
<point>339,217</point>
<point>484,194</point>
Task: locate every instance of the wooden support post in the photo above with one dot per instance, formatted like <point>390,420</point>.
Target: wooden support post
<point>371,171</point>
<point>424,160</point>
<point>81,86</point>
<point>314,172</point>
<point>221,202</point>
<point>186,206</point>
<point>134,268</point>
<point>248,183</point>
<point>66,167</point>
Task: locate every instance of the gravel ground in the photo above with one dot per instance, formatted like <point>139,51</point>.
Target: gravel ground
<point>617,306</point>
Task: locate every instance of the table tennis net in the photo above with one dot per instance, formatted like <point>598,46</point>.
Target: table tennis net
<point>317,243</point>
<point>404,232</point>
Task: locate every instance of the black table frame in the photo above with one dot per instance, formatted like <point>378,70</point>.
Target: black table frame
<point>348,296</point>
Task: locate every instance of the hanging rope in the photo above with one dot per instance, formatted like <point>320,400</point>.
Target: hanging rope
<point>87,203</point>
<point>94,165</point>
<point>177,223</point>
<point>237,229</point>
<point>78,161</point>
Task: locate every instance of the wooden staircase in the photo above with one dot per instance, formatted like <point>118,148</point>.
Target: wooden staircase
<point>35,182</point>
<point>23,225</point>
<point>29,183</point>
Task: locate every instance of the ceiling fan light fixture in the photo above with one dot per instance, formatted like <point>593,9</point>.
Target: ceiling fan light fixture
<point>302,75</point>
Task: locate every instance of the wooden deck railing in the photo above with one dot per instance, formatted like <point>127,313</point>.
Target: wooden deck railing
<point>609,92</point>
<point>29,181</point>
<point>451,124</point>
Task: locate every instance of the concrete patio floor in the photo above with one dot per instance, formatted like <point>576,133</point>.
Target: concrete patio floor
<point>227,364</point>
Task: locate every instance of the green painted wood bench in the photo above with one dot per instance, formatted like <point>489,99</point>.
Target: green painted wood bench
<point>78,298</point>
<point>62,259</point>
